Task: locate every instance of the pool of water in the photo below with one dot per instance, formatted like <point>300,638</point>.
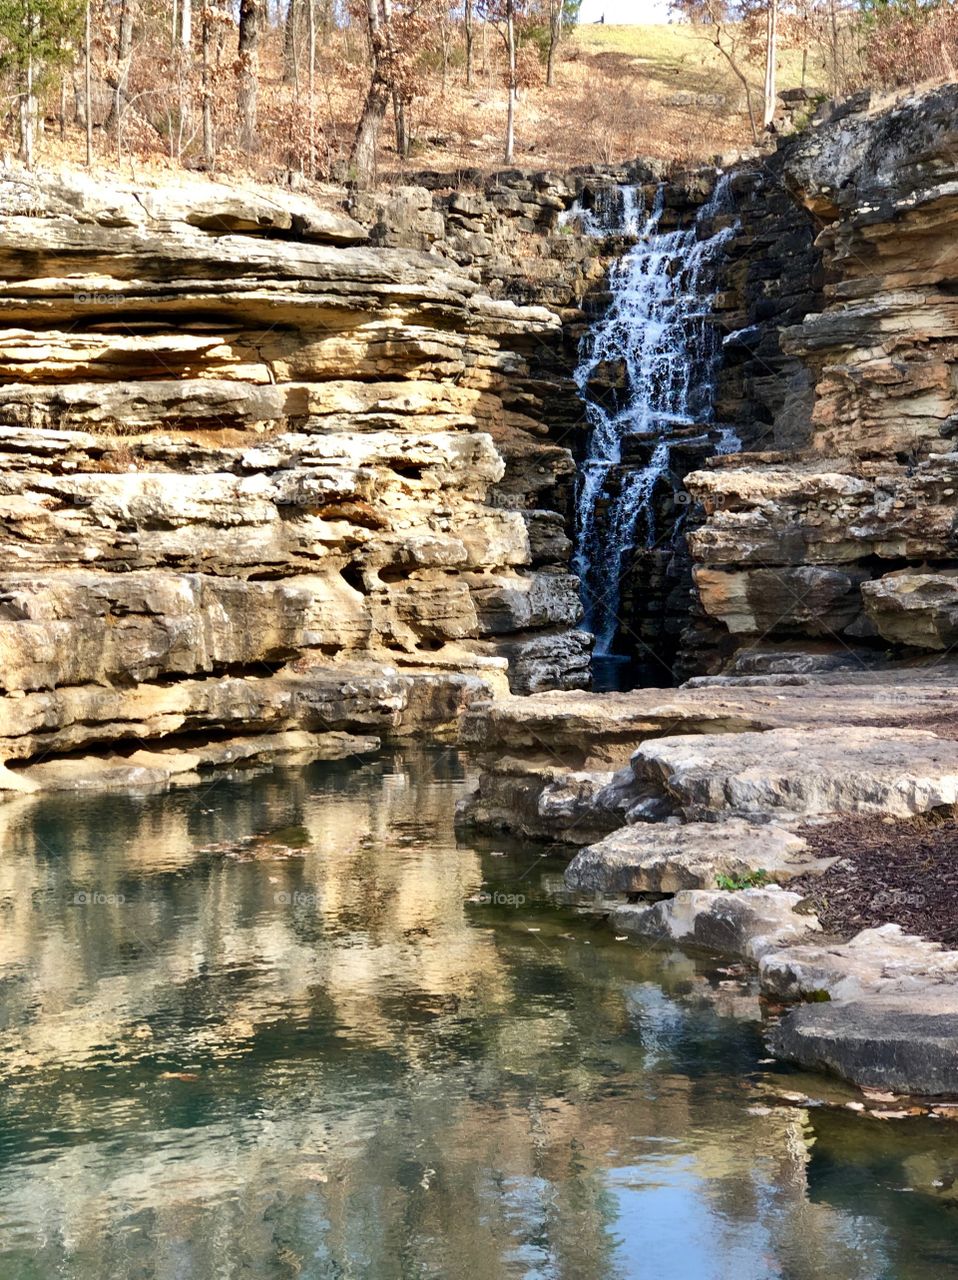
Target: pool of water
<point>291,1028</point>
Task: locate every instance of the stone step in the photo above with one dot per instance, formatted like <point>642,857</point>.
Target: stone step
<point>662,858</point>
<point>901,772</point>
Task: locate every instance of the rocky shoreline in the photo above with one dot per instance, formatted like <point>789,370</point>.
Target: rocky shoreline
<point>737,784</point>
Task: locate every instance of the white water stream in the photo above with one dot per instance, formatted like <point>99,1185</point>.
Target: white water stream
<point>657,329</point>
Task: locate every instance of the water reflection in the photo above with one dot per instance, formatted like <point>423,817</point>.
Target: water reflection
<point>324,1053</point>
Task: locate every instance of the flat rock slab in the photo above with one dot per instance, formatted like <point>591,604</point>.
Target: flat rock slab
<point>747,923</point>
<point>908,1044</point>
<point>884,960</point>
<point>803,771</point>
<point>161,770</point>
<point>607,727</point>
<point>661,858</point>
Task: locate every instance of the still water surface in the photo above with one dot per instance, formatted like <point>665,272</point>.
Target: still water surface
<point>309,1054</point>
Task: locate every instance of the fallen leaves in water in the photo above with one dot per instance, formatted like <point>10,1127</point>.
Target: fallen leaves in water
<point>255,848</point>
<point>187,1076</point>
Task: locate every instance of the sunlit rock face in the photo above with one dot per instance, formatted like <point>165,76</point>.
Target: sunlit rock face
<point>846,530</point>
<point>242,445</point>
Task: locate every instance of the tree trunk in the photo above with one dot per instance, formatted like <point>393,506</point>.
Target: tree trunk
<point>740,76</point>
<point>771,43</point>
<point>124,55</point>
<point>468,30</point>
<point>311,22</point>
<point>206,90</point>
<point>833,19</point>
<point>555,35</point>
<point>511,53</point>
<point>186,23</point>
<point>290,45</point>
<point>87,92</point>
<point>362,157</point>
<point>28,111</point>
<point>250,21</point>
<point>402,127</point>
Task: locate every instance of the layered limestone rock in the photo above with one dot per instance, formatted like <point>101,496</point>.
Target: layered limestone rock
<point>245,451</point>
<point>648,858</point>
<point>750,924</point>
<point>857,488</point>
<point>760,741</point>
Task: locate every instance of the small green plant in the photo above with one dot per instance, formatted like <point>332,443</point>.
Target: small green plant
<point>751,880</point>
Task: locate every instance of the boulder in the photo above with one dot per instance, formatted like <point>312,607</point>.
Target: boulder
<point>906,1044</point>
<point>659,858</point>
<point>747,923</point>
<point>914,608</point>
<point>884,959</point>
<point>900,772</point>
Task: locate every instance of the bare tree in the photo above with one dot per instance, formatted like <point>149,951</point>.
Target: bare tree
<point>311,83</point>
<point>509,24</point>
<point>206,87</point>
<point>555,35</point>
<point>250,24</point>
<point>124,54</point>
<point>771,53</point>
<point>503,15</point>
<point>469,32</point>
<point>87,93</point>
<point>363,154</point>
<point>291,44</point>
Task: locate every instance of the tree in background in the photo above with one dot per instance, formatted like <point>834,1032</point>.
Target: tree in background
<point>561,14</point>
<point>247,68</point>
<point>771,60</point>
<point>732,37</point>
<point>35,37</point>
<point>513,20</point>
<point>295,90</point>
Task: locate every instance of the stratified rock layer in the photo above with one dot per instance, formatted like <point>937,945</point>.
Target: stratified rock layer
<point>842,528</point>
<point>245,451</point>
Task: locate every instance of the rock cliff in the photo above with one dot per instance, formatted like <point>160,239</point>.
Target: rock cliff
<point>839,525</point>
<point>263,478</point>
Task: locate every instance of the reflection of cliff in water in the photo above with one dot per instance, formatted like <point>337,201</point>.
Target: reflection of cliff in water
<point>376,1077</point>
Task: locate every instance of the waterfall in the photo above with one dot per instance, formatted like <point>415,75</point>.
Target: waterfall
<point>657,329</point>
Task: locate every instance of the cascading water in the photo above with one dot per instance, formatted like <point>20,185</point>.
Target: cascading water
<point>657,330</point>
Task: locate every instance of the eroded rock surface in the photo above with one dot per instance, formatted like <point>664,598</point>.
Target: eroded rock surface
<point>246,448</point>
<point>657,858</point>
<point>803,771</point>
<point>884,959</point>
<point>748,923</point>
